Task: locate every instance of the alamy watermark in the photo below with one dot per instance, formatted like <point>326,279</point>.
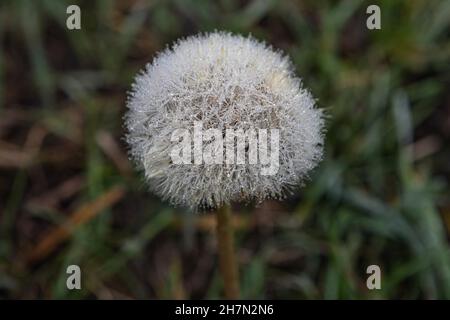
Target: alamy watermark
<point>74,279</point>
<point>374,20</point>
<point>73,21</point>
<point>374,279</point>
<point>228,146</point>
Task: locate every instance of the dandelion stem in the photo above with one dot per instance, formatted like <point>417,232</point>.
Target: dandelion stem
<point>227,257</point>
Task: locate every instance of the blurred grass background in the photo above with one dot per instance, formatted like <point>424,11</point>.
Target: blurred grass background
<point>68,194</point>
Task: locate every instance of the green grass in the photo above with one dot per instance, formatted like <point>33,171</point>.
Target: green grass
<point>379,197</point>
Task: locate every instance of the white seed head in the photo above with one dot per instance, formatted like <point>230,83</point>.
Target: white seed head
<point>227,82</point>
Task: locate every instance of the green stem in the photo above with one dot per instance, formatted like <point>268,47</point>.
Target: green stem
<point>227,257</point>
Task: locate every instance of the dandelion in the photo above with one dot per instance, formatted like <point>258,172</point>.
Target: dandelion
<point>225,82</point>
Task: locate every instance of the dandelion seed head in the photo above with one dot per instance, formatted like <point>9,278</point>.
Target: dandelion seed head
<point>225,81</point>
